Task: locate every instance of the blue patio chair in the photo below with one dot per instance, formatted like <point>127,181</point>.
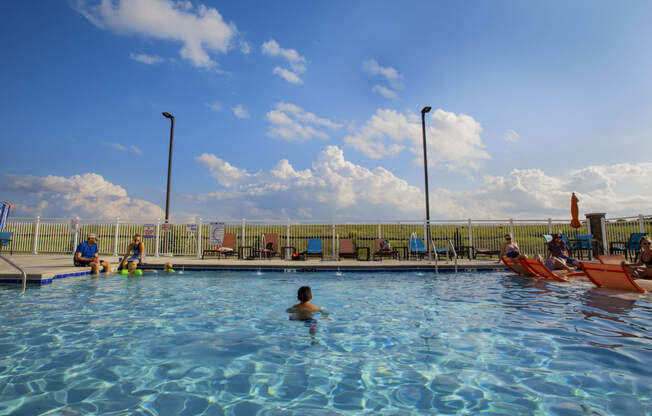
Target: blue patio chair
<point>629,248</point>
<point>5,239</point>
<point>584,242</point>
<point>417,249</point>
<point>314,248</point>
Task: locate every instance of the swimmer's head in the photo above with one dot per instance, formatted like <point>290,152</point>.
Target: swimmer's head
<point>167,266</point>
<point>304,294</point>
<point>132,266</point>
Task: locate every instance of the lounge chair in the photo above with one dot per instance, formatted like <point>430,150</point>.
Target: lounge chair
<point>611,259</point>
<point>5,239</point>
<point>516,266</point>
<point>480,251</point>
<point>584,242</point>
<point>628,248</point>
<point>271,245</point>
<point>612,276</point>
<point>417,249</point>
<point>226,249</point>
<point>538,269</point>
<point>347,248</point>
<point>380,252</point>
<point>314,248</point>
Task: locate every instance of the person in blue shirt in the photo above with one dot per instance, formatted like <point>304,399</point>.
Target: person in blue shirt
<point>87,255</point>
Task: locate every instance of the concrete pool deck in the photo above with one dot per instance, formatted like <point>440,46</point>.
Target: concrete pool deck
<point>45,268</point>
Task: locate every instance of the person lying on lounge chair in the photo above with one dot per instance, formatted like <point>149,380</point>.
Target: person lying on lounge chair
<point>557,256</point>
<point>509,247</point>
<point>643,268</point>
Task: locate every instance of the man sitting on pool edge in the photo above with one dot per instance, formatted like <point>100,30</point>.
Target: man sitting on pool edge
<point>87,255</point>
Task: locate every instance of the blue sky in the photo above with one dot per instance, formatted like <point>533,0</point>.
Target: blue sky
<point>310,110</point>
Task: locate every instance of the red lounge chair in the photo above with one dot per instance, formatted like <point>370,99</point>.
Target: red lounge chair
<point>538,269</point>
<point>273,239</point>
<point>229,242</point>
<point>611,259</point>
<point>515,266</point>
<point>347,249</point>
<point>380,253</point>
<point>612,276</point>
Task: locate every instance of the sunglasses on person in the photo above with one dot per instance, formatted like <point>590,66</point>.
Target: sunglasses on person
<point>645,244</point>
<point>508,238</point>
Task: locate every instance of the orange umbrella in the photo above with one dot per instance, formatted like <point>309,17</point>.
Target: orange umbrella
<point>575,212</point>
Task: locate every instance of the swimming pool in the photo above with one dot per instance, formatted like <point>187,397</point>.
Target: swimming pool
<point>402,343</point>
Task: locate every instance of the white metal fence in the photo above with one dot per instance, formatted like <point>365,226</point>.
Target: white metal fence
<point>61,235</point>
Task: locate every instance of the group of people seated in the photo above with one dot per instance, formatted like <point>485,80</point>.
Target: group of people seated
<point>557,256</point>
<point>87,255</point>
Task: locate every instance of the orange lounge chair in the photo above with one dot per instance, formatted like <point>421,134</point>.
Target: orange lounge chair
<point>611,259</point>
<point>228,243</point>
<point>515,266</point>
<point>612,276</point>
<point>538,269</point>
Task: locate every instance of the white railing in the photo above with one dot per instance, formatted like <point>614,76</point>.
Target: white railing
<point>61,235</point>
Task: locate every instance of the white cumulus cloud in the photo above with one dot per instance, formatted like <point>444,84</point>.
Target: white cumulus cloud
<point>296,61</point>
<point>385,92</point>
<point>512,136</point>
<point>88,196</point>
<point>146,59</point>
<point>240,111</point>
<point>453,140</point>
<point>200,29</point>
<point>290,122</point>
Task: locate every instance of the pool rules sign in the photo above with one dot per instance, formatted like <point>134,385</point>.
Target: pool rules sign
<point>217,233</point>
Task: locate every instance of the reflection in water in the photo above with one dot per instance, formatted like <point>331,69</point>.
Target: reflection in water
<point>613,305</point>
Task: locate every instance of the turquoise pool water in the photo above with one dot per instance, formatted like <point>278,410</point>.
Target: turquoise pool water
<point>394,343</point>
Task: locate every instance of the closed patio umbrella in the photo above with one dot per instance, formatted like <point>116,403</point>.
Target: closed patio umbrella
<point>575,212</point>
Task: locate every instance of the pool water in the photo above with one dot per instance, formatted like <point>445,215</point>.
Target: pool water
<point>394,343</point>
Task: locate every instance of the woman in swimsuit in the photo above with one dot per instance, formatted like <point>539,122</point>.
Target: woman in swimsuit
<point>509,247</point>
<point>643,269</point>
<point>135,254</point>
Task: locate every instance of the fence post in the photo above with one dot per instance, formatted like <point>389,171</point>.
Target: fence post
<point>333,239</point>
<point>75,239</point>
<point>242,243</point>
<point>199,252</point>
<point>115,238</point>
<point>588,227</point>
<point>37,223</point>
<point>379,230</point>
<point>470,239</point>
<point>287,238</point>
<point>603,226</point>
<point>641,223</point>
<point>549,225</point>
<point>158,237</point>
<point>511,226</point>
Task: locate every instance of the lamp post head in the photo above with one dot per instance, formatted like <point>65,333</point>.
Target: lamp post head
<point>425,110</point>
<point>168,115</point>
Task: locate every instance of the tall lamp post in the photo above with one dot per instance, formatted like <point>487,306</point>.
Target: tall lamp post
<point>425,170</point>
<point>167,195</point>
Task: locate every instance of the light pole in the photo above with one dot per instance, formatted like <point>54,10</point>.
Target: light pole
<point>425,171</point>
<point>167,195</point>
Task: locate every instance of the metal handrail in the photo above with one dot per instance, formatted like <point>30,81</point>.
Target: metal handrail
<point>20,269</point>
<point>454,253</point>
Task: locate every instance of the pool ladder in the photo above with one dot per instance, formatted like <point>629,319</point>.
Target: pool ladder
<point>20,269</point>
<point>452,249</point>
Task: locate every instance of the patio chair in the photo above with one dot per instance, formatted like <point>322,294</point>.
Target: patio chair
<point>417,249</point>
<point>314,248</point>
<point>271,245</point>
<point>611,259</point>
<point>226,249</point>
<point>347,249</point>
<point>516,266</point>
<point>5,239</point>
<point>538,269</point>
<point>483,251</point>
<point>629,248</point>
<point>583,242</point>
<point>612,276</point>
<point>381,252</point>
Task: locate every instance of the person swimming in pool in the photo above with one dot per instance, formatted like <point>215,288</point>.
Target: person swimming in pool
<point>305,311</point>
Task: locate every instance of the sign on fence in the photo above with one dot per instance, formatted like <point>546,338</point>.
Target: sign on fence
<point>217,233</point>
<point>166,226</point>
<point>191,228</point>
<point>148,230</point>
